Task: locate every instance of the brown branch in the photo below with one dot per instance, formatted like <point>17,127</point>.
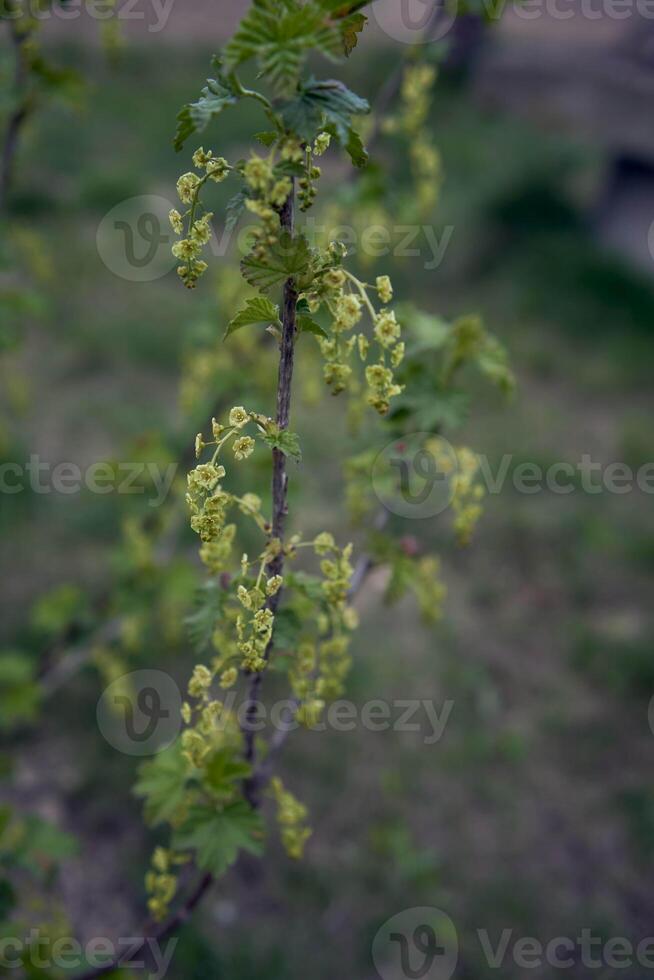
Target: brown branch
<point>251,786</point>
<point>18,116</point>
<point>154,933</point>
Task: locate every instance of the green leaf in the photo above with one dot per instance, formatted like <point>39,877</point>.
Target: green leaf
<point>217,836</point>
<point>266,138</point>
<point>288,629</point>
<point>57,610</point>
<point>256,310</point>
<point>196,116</point>
<point>306,324</point>
<point>280,34</point>
<point>327,105</point>
<point>208,607</point>
<point>162,783</point>
<point>20,693</point>
<point>223,770</point>
<point>352,27</point>
<point>290,257</point>
<point>43,845</point>
<point>234,210</point>
<point>287,442</point>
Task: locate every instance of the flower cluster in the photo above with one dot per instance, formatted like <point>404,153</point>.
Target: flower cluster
<point>291,815</point>
<point>347,298</point>
<point>417,85</point>
<point>195,226</point>
<point>308,191</point>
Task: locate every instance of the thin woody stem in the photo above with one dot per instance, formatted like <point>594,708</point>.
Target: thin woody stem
<point>252,785</point>
<point>18,116</point>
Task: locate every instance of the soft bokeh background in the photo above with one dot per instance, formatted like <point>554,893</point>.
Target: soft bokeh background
<point>535,812</point>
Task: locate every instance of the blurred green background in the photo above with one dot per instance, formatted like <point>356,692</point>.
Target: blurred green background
<point>535,812</point>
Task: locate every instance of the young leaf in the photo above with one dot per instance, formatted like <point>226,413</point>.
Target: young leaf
<point>287,442</point>
<point>289,257</point>
<point>257,310</point>
<point>327,105</point>
<point>195,117</point>
<point>201,624</point>
<point>306,324</point>
<point>162,783</point>
<point>280,34</point>
<point>223,770</point>
<point>217,836</point>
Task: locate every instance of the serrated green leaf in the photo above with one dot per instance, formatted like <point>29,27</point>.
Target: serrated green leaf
<point>162,784</point>
<point>257,310</point>
<point>327,105</point>
<point>290,257</point>
<point>196,116</point>
<point>287,442</point>
<point>217,836</point>
<point>306,324</point>
<point>201,623</point>
<point>223,770</point>
<point>352,27</point>
<point>280,34</point>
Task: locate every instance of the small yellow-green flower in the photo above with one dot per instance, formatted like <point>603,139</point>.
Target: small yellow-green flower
<point>238,417</point>
<point>228,678</point>
<point>243,447</point>
<point>187,186</point>
<point>385,289</point>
